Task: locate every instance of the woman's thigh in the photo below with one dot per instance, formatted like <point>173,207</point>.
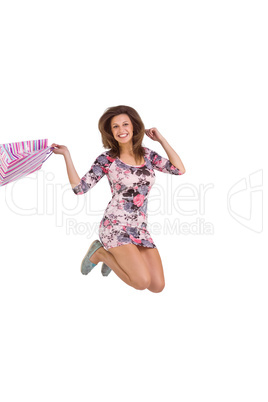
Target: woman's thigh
<point>133,264</point>
<point>153,261</point>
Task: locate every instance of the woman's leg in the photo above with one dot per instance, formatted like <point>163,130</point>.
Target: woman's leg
<point>153,261</point>
<point>127,262</point>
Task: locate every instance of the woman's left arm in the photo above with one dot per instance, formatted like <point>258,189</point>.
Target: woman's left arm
<point>173,157</point>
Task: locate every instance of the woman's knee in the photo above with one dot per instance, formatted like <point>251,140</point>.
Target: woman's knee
<point>129,259</point>
<point>157,287</point>
<point>142,281</point>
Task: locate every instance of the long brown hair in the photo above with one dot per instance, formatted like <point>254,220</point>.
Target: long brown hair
<point>108,139</point>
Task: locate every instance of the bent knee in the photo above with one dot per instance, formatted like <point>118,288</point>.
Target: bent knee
<point>157,287</point>
<point>141,282</point>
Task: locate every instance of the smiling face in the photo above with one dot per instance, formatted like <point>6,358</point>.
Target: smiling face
<point>122,129</point>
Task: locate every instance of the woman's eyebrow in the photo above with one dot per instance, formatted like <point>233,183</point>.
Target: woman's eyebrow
<point>123,122</point>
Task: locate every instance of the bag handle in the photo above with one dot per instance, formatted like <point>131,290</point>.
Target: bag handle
<point>50,153</point>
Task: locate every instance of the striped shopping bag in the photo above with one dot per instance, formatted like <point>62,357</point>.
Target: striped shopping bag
<point>18,159</point>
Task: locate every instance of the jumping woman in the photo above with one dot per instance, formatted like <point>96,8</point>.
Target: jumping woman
<point>125,245</point>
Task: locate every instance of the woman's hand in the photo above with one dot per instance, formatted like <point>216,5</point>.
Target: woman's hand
<point>154,134</point>
<point>60,149</point>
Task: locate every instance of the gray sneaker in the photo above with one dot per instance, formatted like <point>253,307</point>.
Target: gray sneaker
<point>105,270</point>
<point>87,265</point>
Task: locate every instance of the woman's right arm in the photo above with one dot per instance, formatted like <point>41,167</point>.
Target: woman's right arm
<point>74,179</point>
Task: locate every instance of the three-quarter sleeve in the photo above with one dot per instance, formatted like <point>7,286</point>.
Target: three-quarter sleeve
<point>93,176</point>
<point>162,164</point>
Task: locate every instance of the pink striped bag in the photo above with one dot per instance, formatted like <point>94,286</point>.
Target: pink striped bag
<point>18,159</point>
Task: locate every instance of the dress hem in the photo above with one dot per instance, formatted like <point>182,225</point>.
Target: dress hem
<point>135,244</point>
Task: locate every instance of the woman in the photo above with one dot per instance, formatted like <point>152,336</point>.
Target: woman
<point>126,246</point>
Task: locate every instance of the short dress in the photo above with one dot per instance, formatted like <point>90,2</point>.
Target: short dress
<point>125,218</point>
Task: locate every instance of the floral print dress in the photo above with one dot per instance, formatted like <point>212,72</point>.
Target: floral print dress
<point>125,218</point>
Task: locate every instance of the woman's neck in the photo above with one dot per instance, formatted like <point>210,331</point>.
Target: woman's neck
<point>126,150</point>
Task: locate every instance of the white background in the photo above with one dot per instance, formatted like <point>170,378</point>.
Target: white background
<point>196,70</point>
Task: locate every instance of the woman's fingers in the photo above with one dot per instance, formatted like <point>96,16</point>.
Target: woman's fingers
<point>57,149</point>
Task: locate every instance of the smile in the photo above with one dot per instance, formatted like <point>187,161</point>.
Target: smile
<point>122,135</point>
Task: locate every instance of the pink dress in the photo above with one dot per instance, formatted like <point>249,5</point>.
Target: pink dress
<point>125,218</point>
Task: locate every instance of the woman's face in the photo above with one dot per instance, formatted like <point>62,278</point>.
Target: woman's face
<point>122,128</point>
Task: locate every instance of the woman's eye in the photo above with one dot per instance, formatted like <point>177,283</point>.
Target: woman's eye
<point>125,124</point>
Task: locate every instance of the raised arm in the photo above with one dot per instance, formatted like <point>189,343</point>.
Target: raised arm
<point>173,157</point>
<point>98,169</point>
<point>74,179</point>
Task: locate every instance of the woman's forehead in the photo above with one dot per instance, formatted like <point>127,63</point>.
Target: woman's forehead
<point>120,118</point>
